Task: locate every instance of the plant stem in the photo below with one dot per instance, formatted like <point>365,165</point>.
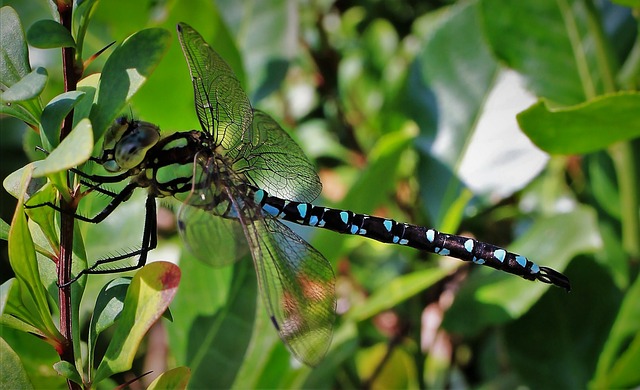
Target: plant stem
<point>623,160</point>
<point>71,76</point>
<point>621,153</point>
<point>64,293</point>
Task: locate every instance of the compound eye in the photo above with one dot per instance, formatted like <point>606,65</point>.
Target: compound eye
<point>132,148</point>
<point>126,143</point>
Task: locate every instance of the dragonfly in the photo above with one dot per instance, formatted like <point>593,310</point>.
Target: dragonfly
<point>238,178</point>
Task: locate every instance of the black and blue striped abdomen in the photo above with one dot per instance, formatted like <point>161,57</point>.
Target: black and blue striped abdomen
<point>419,237</point>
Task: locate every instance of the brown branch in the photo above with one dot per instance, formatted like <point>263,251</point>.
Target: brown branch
<point>71,76</point>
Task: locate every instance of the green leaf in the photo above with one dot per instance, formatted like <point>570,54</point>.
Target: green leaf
<point>148,296</point>
<point>177,111</point>
<point>624,374</point>
<point>399,290</point>
<point>4,230</point>
<point>399,370</point>
<point>109,305</point>
<point>544,41</point>
<point>493,297</point>
<point>81,17</point>
<point>29,87</point>
<point>13,375</point>
<point>55,112</point>
<point>216,346</point>
<point>12,321</point>
<point>21,112</point>
<point>75,149</point>
<point>45,216</point>
<point>16,311</point>
<point>622,346</point>
<point>35,355</point>
<point>475,104</point>
<point>88,85</point>
<point>13,182</point>
<point>49,34</point>
<point>628,3</point>
<point>177,378</point>
<point>267,361</point>
<point>584,128</point>
<point>68,371</point>
<point>558,342</point>
<point>22,257</point>
<point>14,55</point>
<point>265,49</point>
<point>5,290</point>
<point>125,71</point>
<point>205,295</point>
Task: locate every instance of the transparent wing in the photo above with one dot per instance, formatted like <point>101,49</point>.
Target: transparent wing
<point>277,164</point>
<point>222,106</point>
<point>298,286</point>
<point>212,238</point>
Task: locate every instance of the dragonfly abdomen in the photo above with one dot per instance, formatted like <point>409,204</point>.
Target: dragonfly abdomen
<point>393,232</point>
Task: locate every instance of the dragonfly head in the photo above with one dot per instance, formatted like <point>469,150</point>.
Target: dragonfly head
<point>126,143</point>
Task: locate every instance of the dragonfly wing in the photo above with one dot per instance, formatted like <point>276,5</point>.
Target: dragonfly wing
<point>214,240</point>
<point>298,286</point>
<point>206,223</point>
<point>222,106</point>
<point>277,164</point>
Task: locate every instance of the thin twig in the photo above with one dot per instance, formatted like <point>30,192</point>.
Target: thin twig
<point>71,76</point>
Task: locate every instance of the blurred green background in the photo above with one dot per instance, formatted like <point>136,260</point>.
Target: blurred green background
<point>408,109</point>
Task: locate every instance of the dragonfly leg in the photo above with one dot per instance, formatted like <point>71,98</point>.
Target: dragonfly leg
<point>100,179</point>
<point>149,242</point>
<point>123,196</point>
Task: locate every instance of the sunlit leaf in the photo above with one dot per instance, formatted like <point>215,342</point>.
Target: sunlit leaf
<point>148,296</point>
<point>127,68</point>
<point>13,182</point>
<point>29,87</point>
<point>544,42</point>
<point>88,85</point>
<point>583,128</point>
<point>73,150</point>
<point>177,378</point>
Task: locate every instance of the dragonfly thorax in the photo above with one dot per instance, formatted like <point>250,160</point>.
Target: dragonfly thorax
<point>126,143</point>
